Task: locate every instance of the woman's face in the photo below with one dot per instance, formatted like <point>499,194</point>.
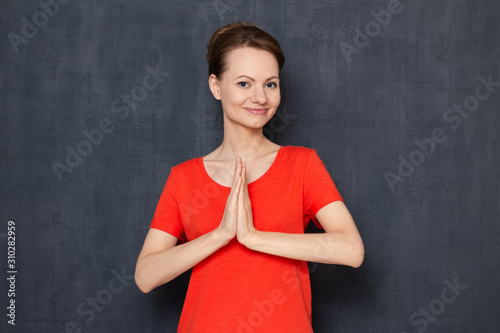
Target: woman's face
<point>249,89</point>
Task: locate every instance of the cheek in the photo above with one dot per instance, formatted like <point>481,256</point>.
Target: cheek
<point>275,98</point>
<point>234,97</point>
<point>232,103</point>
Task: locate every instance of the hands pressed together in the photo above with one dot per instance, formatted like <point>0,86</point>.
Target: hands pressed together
<point>237,219</point>
<point>340,244</point>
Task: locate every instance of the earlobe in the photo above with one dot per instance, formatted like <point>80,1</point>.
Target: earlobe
<point>214,85</point>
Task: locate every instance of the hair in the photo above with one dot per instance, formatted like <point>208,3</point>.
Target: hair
<point>235,35</point>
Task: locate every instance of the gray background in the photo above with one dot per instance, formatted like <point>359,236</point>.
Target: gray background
<point>437,224</point>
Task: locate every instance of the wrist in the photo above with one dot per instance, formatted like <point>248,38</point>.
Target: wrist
<point>222,236</point>
<point>251,239</point>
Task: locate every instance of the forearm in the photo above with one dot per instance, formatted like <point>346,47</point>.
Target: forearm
<point>158,268</point>
<point>329,248</point>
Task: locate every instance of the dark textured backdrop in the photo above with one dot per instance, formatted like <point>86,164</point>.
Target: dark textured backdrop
<point>100,98</point>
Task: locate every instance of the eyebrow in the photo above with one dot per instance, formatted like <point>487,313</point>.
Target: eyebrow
<point>269,78</point>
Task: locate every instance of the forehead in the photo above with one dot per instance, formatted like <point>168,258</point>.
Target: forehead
<point>252,62</point>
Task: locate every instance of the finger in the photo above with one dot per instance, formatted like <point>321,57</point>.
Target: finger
<point>241,191</point>
<point>235,191</point>
<point>241,206</point>
<point>237,169</point>
<point>235,188</point>
<point>243,177</point>
<point>232,203</point>
<point>243,183</point>
<point>238,186</point>
<point>237,166</point>
<point>244,172</point>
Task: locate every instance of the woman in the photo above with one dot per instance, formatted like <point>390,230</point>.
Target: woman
<point>239,213</point>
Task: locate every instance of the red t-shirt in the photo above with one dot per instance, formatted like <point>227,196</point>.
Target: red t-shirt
<point>236,289</point>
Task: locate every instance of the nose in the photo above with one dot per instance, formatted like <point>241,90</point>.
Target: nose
<point>259,95</point>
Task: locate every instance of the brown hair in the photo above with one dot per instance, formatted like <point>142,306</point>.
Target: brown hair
<point>236,35</point>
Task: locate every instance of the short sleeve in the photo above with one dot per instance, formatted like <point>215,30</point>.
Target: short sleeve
<point>319,188</point>
<point>167,215</point>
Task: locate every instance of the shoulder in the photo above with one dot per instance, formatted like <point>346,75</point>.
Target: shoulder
<point>297,159</point>
<point>190,167</point>
<point>299,149</point>
<point>188,164</point>
<point>299,152</point>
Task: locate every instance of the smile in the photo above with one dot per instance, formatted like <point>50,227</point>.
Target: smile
<point>256,111</point>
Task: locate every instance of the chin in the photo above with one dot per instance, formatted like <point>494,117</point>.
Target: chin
<point>259,123</point>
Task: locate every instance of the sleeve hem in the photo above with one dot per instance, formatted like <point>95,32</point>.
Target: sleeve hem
<point>318,207</point>
<point>177,234</point>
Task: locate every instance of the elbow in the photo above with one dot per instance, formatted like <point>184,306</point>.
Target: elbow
<point>141,281</point>
<point>358,255</point>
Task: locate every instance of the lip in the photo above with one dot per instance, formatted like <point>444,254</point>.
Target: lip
<point>257,111</point>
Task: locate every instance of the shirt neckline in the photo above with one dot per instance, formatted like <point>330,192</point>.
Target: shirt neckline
<point>255,182</point>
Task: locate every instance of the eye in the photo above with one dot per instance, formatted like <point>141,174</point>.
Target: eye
<point>271,85</point>
<point>243,84</point>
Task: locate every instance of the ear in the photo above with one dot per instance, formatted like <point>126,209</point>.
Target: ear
<point>214,85</point>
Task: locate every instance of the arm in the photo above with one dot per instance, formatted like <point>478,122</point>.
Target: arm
<point>340,244</point>
<point>160,260</point>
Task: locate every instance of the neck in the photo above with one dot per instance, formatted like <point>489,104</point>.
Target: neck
<point>242,141</point>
